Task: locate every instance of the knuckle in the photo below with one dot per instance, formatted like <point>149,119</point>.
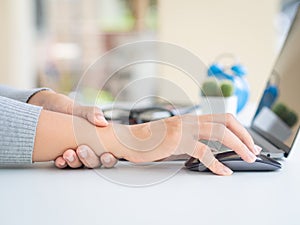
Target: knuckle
<point>200,151</point>
<point>229,117</point>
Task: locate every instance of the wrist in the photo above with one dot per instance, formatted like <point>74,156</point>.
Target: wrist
<point>108,140</point>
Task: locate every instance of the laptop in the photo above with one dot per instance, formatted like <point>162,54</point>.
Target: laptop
<point>275,125</point>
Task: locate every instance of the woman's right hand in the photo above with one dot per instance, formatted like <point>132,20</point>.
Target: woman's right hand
<point>84,155</point>
<point>180,135</point>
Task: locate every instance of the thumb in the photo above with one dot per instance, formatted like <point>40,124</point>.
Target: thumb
<point>93,114</point>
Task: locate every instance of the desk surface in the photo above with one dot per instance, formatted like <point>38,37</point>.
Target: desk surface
<point>42,194</point>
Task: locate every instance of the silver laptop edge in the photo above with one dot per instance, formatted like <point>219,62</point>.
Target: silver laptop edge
<point>272,146</point>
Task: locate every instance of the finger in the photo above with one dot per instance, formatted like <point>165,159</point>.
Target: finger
<point>93,114</point>
<point>108,160</point>
<point>204,154</point>
<point>219,132</point>
<point>88,157</point>
<point>236,127</point>
<point>241,132</point>
<point>96,117</point>
<point>60,162</point>
<point>72,159</point>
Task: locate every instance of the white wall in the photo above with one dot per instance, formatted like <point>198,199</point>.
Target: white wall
<point>211,27</point>
<point>16,43</point>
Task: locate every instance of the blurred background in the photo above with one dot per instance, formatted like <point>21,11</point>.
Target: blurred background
<point>52,42</point>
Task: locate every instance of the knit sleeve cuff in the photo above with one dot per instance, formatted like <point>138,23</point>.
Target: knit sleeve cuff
<point>18,123</point>
<point>18,94</point>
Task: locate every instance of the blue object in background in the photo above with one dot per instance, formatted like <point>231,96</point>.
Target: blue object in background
<point>269,97</point>
<point>241,87</point>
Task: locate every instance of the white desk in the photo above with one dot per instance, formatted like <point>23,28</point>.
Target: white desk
<point>45,195</point>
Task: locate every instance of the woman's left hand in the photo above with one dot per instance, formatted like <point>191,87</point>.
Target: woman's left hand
<point>55,102</point>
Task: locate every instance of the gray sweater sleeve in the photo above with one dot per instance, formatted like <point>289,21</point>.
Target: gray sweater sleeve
<point>18,122</point>
<point>19,94</point>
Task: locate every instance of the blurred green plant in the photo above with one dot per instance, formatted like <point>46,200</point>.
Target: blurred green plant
<point>285,114</point>
<point>213,87</point>
<point>227,88</point>
<point>291,118</point>
<point>280,110</point>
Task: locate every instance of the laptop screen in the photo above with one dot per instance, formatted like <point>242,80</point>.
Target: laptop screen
<point>278,113</point>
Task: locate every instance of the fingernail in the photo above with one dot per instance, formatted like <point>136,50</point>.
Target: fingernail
<point>101,119</point>
<point>83,152</point>
<point>70,158</point>
<point>257,149</point>
<point>106,159</point>
<point>227,171</point>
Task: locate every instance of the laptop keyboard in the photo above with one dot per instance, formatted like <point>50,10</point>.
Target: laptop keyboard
<point>259,140</point>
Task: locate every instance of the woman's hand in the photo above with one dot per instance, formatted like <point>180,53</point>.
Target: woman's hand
<point>55,102</point>
<point>84,155</point>
<point>52,101</point>
<point>180,135</point>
